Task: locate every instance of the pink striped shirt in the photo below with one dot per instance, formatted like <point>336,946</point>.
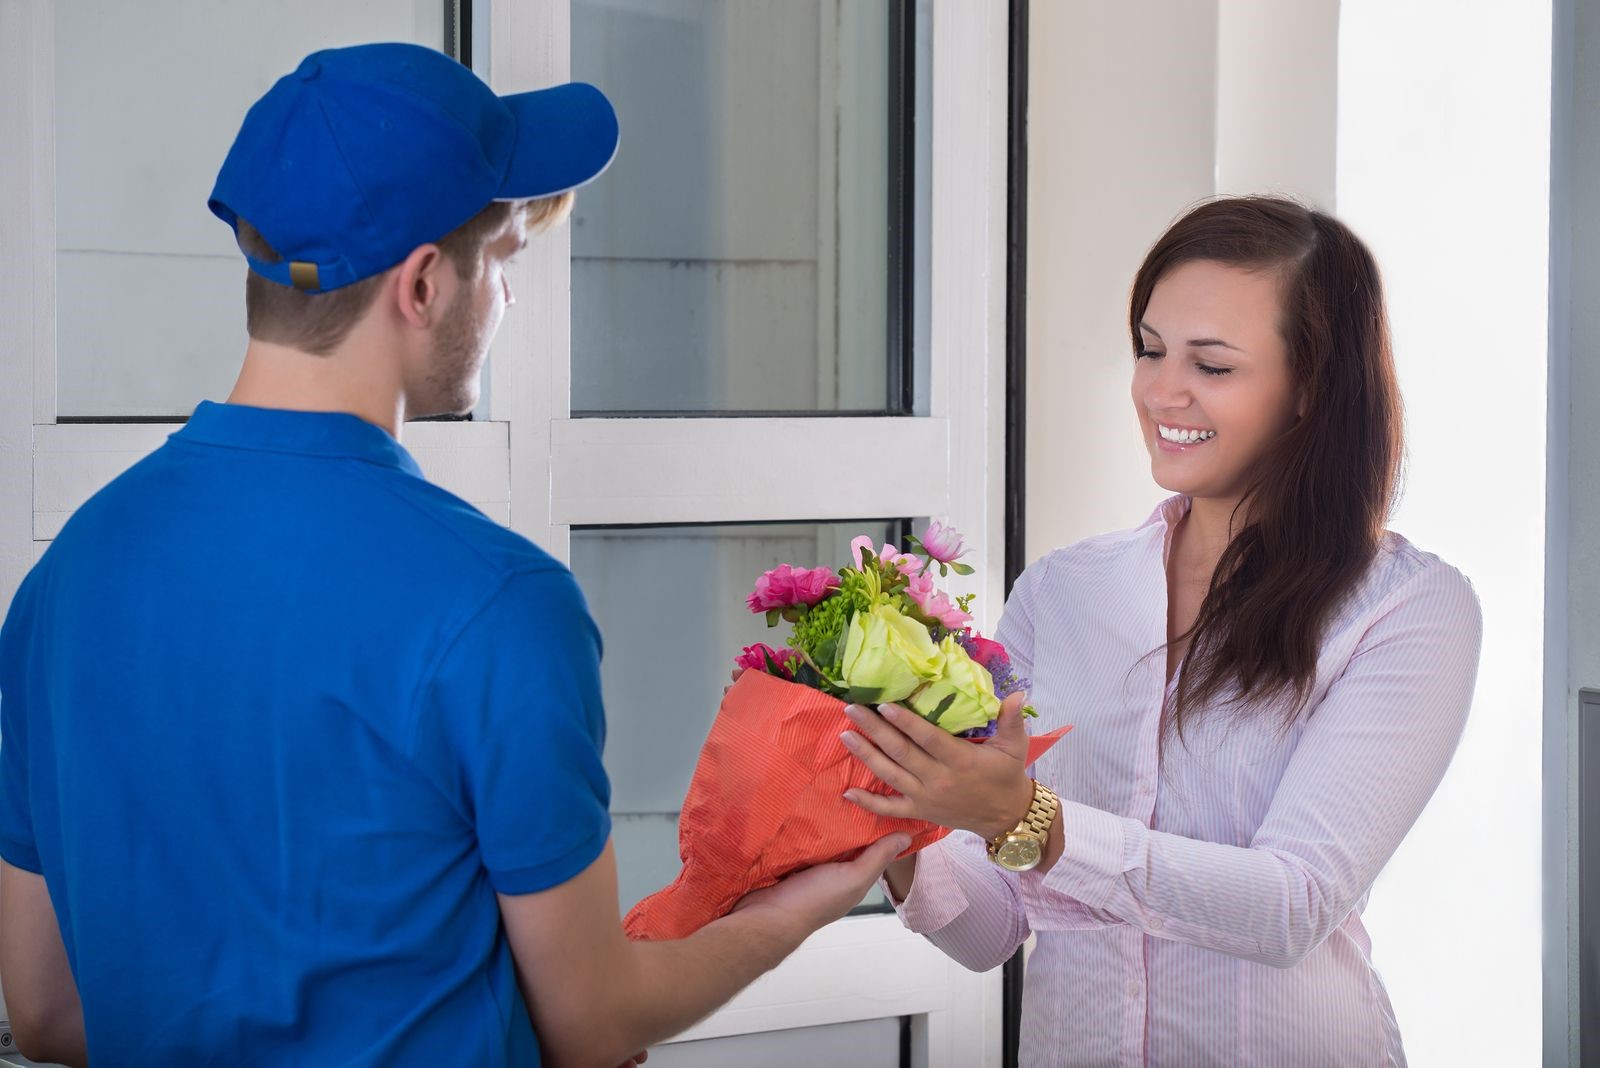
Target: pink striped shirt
<point>1206,909</point>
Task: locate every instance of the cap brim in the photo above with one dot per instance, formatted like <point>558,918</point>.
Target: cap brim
<point>566,136</point>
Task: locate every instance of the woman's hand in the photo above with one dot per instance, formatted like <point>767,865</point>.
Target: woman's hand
<point>943,779</point>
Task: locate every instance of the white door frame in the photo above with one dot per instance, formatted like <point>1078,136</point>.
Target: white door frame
<point>534,467</point>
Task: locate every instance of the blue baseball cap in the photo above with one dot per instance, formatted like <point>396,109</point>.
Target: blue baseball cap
<point>364,153</point>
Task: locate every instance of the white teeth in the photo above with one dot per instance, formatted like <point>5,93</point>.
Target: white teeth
<point>1185,437</point>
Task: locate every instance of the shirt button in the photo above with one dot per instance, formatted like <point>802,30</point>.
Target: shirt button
<point>1156,924</point>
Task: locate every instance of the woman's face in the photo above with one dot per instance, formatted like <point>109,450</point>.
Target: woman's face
<point>1211,385</point>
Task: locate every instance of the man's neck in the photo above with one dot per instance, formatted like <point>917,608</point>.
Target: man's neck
<point>276,376</point>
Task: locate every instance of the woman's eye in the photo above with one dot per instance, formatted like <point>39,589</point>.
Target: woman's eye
<point>1147,354</point>
<point>1207,369</point>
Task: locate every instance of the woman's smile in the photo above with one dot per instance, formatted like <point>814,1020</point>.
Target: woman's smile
<point>1172,438</point>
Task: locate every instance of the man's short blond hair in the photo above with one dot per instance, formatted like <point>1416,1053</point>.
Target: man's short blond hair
<point>319,322</point>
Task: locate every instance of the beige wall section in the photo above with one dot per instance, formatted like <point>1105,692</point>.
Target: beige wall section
<point>1277,97</point>
<point>1136,111</point>
<point>1120,139</point>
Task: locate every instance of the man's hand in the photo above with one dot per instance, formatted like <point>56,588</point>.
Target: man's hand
<point>815,897</point>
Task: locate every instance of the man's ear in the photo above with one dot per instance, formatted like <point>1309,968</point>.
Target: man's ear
<point>419,285</point>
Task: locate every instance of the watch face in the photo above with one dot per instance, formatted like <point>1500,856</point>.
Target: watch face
<point>1019,853</point>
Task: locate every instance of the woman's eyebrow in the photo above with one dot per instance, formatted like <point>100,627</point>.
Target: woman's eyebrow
<point>1195,343</point>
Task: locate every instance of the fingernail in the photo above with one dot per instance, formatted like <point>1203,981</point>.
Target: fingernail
<point>848,739</point>
<point>854,711</point>
<point>902,843</point>
<point>889,711</point>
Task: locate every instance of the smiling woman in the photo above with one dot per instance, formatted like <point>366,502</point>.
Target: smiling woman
<point>1289,365</point>
<point>1220,822</point>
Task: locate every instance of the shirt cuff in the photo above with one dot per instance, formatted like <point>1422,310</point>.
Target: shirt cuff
<point>936,897</point>
<point>20,854</point>
<point>1096,849</point>
<point>553,872</point>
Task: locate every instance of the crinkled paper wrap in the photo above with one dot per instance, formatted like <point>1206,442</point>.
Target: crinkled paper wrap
<point>767,800</point>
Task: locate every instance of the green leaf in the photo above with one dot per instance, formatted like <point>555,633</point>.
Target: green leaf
<point>826,650</point>
<point>944,706</point>
<point>863,695</point>
<point>944,569</point>
<point>961,569</point>
<point>773,615</point>
<point>1028,710</point>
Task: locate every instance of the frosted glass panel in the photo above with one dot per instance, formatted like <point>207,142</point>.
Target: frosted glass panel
<point>149,96</point>
<point>670,606</point>
<point>738,254</point>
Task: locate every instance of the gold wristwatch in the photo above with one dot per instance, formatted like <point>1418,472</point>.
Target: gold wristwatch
<point>1022,847</point>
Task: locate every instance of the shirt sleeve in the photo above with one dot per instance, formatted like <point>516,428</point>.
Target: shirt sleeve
<point>17,844</point>
<point>1371,755</point>
<point>511,727</point>
<point>968,907</point>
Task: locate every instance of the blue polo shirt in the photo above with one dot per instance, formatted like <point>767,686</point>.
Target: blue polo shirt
<point>277,720</point>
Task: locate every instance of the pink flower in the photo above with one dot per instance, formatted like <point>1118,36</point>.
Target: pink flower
<point>812,586</point>
<point>755,657</point>
<point>936,605</point>
<point>888,556</point>
<point>786,586</point>
<point>943,543</point>
<point>988,654</point>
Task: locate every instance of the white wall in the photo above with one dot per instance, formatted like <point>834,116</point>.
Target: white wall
<point>1444,169</point>
<point>1382,109</point>
<point>1120,138</point>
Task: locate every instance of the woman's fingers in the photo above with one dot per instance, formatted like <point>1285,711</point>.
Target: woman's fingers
<point>895,807</point>
<point>891,741</point>
<point>895,775</point>
<point>929,737</point>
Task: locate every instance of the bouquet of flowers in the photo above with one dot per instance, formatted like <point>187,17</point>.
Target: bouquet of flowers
<point>880,632</point>
<point>766,796</point>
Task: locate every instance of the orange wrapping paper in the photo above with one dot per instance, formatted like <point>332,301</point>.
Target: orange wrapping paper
<point>767,800</point>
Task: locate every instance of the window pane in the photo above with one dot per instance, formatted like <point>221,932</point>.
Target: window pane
<point>743,252</point>
<point>669,602</point>
<point>150,299</point>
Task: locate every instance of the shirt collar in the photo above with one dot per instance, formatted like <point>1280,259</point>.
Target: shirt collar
<point>337,434</point>
<point>1165,521</point>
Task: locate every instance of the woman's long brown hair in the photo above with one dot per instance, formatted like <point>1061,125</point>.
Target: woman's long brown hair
<point>1315,508</point>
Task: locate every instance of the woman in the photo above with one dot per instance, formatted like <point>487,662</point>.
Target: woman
<point>1267,687</point>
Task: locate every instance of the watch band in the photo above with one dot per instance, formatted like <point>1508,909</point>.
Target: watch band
<point>1036,823</point>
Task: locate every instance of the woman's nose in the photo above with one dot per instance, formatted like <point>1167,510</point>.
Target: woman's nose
<point>1165,389</point>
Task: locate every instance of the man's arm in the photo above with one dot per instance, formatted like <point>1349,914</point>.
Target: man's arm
<point>46,1016</point>
<point>595,997</point>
